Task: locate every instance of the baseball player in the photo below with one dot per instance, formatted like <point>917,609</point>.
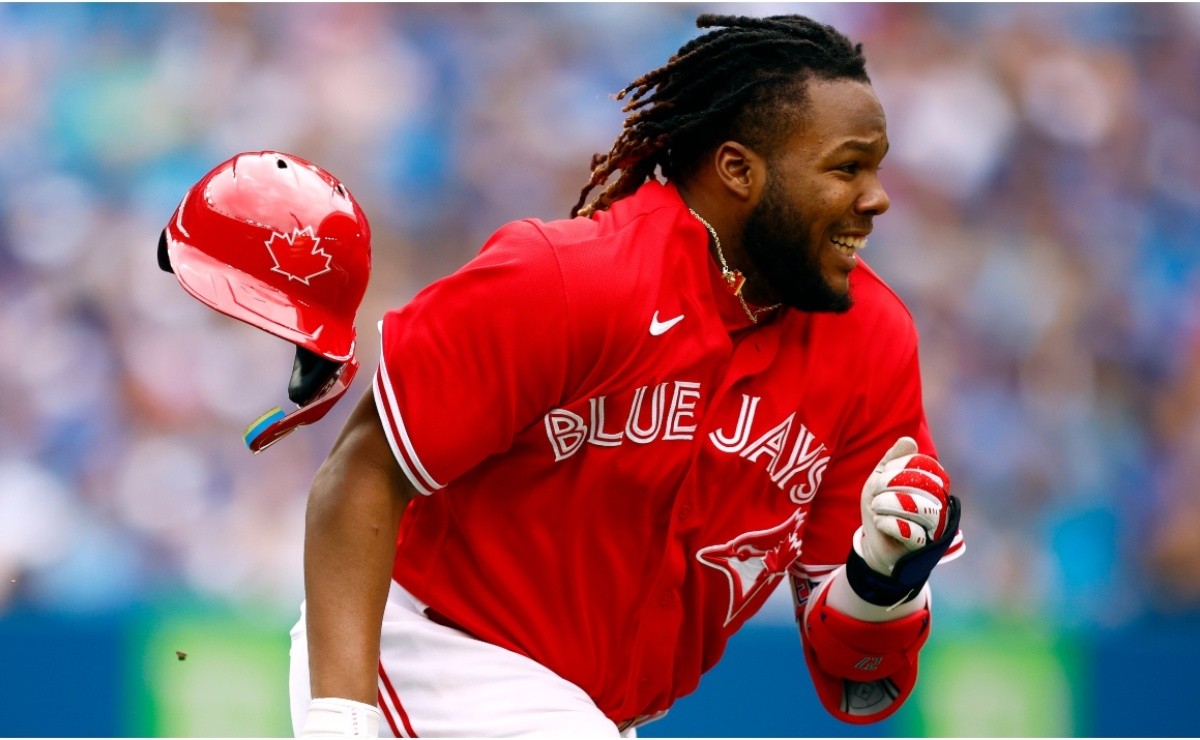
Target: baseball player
<point>588,456</point>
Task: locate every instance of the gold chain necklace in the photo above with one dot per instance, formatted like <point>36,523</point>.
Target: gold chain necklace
<point>733,278</point>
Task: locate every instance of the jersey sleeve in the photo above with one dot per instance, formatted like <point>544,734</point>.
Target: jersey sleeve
<point>890,410</point>
<point>474,358</point>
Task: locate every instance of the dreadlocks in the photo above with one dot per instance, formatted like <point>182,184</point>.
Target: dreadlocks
<point>725,84</point>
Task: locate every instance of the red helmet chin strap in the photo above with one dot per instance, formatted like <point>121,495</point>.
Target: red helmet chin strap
<point>274,425</point>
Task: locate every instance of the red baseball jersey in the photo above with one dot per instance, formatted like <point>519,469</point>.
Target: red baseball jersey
<point>622,466</point>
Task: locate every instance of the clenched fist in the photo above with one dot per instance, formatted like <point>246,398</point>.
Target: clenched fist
<point>909,519</point>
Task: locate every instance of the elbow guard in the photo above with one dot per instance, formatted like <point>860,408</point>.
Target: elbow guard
<point>863,671</point>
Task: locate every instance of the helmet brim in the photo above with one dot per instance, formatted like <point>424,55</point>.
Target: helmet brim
<point>274,425</point>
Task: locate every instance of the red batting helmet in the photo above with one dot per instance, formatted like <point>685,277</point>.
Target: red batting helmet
<point>279,243</point>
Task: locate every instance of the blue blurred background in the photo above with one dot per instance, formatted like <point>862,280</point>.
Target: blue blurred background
<point>1045,182</point>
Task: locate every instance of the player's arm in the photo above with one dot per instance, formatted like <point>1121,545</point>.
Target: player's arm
<point>864,625</point>
<point>409,436</point>
<point>354,511</point>
<point>882,519</point>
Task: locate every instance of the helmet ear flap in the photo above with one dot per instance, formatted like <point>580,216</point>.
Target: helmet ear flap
<point>310,374</point>
<point>164,259</point>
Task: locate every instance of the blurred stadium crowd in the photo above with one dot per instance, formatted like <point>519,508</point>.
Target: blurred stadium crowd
<point>1045,231</point>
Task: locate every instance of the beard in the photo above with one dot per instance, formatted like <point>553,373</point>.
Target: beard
<point>780,245</point>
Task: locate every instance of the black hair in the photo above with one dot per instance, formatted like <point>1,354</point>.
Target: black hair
<point>742,82</point>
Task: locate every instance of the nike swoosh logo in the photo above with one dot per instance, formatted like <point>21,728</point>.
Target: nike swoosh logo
<point>658,328</point>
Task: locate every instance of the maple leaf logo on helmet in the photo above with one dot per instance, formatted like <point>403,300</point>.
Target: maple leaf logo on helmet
<point>298,255</point>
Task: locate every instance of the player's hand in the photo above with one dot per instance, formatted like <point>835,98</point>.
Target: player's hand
<point>909,520</point>
<point>328,717</point>
<point>904,506</point>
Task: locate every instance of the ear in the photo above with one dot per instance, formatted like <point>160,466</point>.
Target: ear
<point>741,170</point>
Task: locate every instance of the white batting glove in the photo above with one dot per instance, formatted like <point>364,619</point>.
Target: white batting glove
<point>329,717</point>
<point>903,506</point>
<point>909,520</point>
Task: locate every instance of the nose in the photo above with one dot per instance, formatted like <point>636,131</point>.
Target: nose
<point>874,200</point>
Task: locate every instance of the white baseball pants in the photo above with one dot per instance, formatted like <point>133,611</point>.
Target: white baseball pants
<point>437,681</point>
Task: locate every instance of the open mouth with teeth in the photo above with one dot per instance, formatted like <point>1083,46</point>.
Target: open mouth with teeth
<point>848,245</point>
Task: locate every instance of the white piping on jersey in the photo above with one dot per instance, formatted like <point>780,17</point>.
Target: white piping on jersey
<point>820,572</point>
<point>417,474</point>
<point>814,572</point>
<point>957,547</point>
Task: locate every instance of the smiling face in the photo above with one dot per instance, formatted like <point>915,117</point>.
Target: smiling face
<point>821,193</point>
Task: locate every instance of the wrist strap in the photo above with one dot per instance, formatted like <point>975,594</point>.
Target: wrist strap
<point>910,572</point>
<point>332,717</point>
<point>876,588</point>
<point>843,598</point>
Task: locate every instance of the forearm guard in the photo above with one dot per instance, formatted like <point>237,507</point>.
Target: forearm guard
<point>863,671</point>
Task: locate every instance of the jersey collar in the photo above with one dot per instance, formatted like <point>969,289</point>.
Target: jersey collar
<point>695,241</point>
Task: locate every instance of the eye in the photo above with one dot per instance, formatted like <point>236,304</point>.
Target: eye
<point>850,168</point>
